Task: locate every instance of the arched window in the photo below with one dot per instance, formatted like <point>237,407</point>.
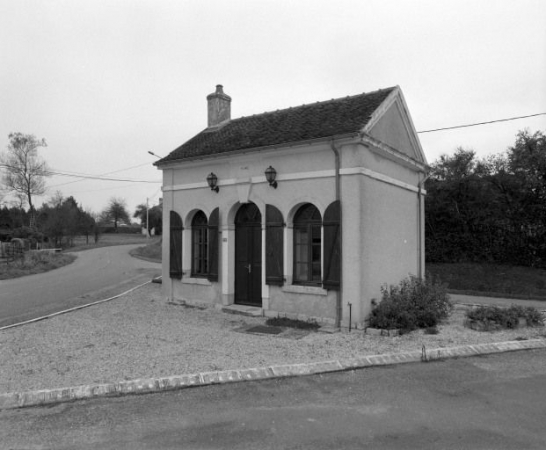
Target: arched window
<point>199,237</point>
<point>307,245</point>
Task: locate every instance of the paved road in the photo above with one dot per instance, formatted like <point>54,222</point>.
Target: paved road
<point>492,402</point>
<point>96,274</point>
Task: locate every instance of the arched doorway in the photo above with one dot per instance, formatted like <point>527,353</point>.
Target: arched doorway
<point>248,255</point>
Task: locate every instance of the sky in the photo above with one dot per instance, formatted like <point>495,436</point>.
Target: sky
<point>107,81</point>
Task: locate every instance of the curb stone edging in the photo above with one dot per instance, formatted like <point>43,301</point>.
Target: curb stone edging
<point>15,400</point>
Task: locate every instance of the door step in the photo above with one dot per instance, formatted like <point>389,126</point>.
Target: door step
<point>243,310</point>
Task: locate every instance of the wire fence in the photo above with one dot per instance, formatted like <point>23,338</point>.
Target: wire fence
<point>11,251</point>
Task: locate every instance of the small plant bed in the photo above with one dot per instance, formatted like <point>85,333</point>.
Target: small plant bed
<point>413,304</point>
<point>491,318</point>
<point>34,262</point>
<point>384,332</point>
<point>292,323</point>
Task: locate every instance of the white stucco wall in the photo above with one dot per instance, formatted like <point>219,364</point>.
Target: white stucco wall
<point>379,217</point>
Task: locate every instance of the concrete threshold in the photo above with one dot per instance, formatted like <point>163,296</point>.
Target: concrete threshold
<point>243,310</point>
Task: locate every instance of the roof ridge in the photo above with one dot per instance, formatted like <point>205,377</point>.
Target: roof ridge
<point>318,102</point>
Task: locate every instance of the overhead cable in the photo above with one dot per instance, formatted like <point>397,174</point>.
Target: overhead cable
<point>482,123</point>
<point>89,177</point>
<point>101,175</point>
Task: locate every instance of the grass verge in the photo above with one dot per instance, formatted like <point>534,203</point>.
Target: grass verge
<point>150,252</point>
<point>492,280</point>
<point>33,263</point>
<point>108,240</point>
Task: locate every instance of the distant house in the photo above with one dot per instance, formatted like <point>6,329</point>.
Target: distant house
<point>304,211</point>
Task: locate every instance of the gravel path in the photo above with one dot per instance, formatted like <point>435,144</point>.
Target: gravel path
<point>143,335</point>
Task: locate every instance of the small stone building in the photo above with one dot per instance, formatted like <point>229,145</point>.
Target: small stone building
<point>305,211</point>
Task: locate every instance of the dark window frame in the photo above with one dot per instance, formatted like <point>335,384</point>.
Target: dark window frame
<point>199,246</point>
<point>308,220</point>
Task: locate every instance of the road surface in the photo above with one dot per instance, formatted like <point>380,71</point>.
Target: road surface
<point>96,274</point>
<point>489,402</point>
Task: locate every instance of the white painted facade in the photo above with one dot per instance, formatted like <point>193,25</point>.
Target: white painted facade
<point>381,171</point>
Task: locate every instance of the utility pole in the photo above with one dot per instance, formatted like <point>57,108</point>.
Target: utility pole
<point>147,226</point>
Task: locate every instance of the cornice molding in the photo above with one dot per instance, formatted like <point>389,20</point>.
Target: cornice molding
<point>301,176</point>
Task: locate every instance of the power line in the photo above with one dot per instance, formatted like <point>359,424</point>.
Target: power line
<point>482,123</point>
<point>101,175</point>
<point>88,177</point>
<point>87,191</point>
<point>95,177</point>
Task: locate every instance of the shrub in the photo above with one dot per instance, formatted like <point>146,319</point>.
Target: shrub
<point>414,303</point>
<point>431,330</point>
<point>534,317</point>
<point>493,316</point>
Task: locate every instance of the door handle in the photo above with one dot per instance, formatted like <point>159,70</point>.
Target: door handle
<point>249,267</point>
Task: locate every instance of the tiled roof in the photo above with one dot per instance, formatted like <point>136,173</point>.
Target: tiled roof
<point>301,123</point>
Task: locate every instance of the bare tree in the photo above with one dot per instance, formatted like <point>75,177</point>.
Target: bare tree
<point>25,171</point>
<point>116,212</point>
<point>56,199</point>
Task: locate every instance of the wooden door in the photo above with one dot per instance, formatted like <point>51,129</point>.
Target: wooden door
<point>248,256</point>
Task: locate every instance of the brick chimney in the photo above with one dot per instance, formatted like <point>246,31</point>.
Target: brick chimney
<point>219,107</point>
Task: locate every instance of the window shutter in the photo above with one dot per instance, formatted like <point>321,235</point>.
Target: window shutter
<point>274,232</point>
<point>332,246</point>
<point>213,244</point>
<point>175,238</point>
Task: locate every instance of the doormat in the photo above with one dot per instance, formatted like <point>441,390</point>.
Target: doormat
<point>264,330</point>
<point>277,332</point>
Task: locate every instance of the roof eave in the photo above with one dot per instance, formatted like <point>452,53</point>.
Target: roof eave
<point>338,137</point>
<point>386,150</point>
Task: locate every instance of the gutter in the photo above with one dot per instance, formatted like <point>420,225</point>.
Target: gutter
<point>162,164</point>
<point>339,294</point>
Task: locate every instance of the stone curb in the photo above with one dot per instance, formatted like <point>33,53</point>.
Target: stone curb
<point>150,385</point>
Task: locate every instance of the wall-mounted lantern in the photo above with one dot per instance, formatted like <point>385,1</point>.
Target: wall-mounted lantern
<point>270,175</point>
<point>212,181</point>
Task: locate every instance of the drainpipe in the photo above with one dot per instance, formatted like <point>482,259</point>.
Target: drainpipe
<point>420,222</point>
<point>339,295</point>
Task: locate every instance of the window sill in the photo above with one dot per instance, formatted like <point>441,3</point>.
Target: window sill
<point>199,281</point>
<point>300,289</point>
